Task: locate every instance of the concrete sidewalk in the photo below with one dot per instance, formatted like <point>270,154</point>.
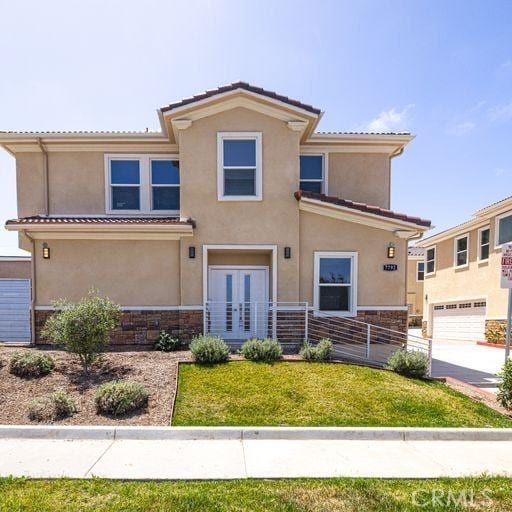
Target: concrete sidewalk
<point>224,455</point>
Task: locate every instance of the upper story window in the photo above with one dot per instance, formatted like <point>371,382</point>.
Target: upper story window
<point>239,169</point>
<point>335,286</point>
<point>484,239</point>
<point>142,184</point>
<point>503,229</point>
<point>312,173</point>
<point>461,251</point>
<point>420,271</point>
<point>430,260</point>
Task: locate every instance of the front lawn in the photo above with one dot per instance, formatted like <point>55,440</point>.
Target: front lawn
<point>320,394</point>
<point>347,495</point>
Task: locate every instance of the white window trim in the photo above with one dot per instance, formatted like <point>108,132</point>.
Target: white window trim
<point>455,252</point>
<point>145,186</point>
<point>221,136</point>
<point>497,244</point>
<point>481,260</point>
<point>426,261</point>
<point>418,271</point>
<point>353,282</point>
<point>325,171</point>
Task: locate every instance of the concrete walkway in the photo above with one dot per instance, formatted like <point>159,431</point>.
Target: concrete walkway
<point>229,456</point>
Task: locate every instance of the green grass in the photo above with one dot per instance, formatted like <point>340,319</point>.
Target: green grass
<point>314,394</point>
<point>347,495</point>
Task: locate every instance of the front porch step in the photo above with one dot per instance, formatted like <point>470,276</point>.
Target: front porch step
<point>289,348</point>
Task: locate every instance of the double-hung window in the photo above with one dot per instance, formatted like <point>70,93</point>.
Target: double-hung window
<point>461,251</point>
<point>335,285</point>
<point>484,239</point>
<point>430,260</point>
<point>503,229</point>
<point>420,271</point>
<point>239,167</point>
<point>142,184</point>
<point>312,173</point>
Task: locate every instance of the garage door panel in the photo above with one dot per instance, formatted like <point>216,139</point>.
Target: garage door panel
<point>14,310</point>
<point>466,323</point>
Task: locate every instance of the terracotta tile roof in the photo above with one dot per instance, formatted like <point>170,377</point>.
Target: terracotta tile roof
<point>416,251</point>
<point>38,219</point>
<point>362,133</point>
<point>245,86</point>
<point>362,207</point>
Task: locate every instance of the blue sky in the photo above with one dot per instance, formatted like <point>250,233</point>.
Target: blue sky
<point>440,69</point>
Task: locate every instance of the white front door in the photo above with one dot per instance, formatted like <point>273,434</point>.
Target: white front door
<point>238,302</point>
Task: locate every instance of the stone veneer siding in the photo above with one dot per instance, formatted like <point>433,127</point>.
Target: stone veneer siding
<point>494,325</point>
<point>141,327</point>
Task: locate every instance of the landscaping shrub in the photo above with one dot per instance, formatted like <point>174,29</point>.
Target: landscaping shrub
<point>120,397</point>
<point>83,328</point>
<point>30,364</point>
<point>496,334</point>
<point>262,350</point>
<point>505,386</point>
<point>409,363</point>
<point>55,406</point>
<point>319,352</point>
<point>209,349</point>
<point>166,343</point>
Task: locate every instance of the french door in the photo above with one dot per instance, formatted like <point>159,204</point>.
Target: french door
<point>238,299</point>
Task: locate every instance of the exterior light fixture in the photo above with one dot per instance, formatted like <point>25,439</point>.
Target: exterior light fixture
<point>287,252</point>
<point>46,251</point>
<point>391,250</point>
<point>192,252</point>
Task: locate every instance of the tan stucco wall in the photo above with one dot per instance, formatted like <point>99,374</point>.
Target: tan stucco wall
<point>15,269</point>
<point>375,286</point>
<point>414,288</point>
<point>30,183</point>
<point>360,177</point>
<point>130,272</point>
<point>274,220</point>
<point>480,280</point>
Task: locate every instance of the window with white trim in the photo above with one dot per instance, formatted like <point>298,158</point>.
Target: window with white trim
<point>420,271</point>
<point>312,173</point>
<point>430,260</point>
<point>503,229</point>
<point>461,251</point>
<point>484,239</point>
<point>335,286</point>
<point>239,167</point>
<point>142,184</point>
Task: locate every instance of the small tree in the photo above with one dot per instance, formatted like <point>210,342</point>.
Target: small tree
<point>83,328</point>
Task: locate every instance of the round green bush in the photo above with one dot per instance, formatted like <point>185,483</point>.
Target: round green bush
<point>119,397</point>
<point>262,350</point>
<point>409,363</point>
<point>30,364</point>
<point>167,343</point>
<point>209,349</point>
<point>319,352</point>
<point>55,406</point>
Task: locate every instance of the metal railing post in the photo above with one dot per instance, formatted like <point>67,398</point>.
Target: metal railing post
<point>274,320</point>
<point>430,357</point>
<point>368,338</point>
<point>205,321</point>
<point>306,326</point>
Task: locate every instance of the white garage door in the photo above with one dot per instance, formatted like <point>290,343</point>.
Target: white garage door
<point>463,321</point>
<point>14,309</point>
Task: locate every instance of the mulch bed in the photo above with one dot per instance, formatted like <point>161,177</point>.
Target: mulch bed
<point>156,370</point>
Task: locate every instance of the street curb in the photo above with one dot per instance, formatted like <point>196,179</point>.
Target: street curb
<point>253,433</point>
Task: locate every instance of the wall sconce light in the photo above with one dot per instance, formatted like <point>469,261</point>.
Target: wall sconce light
<point>391,250</point>
<point>46,251</point>
<point>192,252</point>
<point>287,252</point>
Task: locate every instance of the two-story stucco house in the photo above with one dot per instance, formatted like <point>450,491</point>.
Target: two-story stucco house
<point>462,289</point>
<point>236,204</point>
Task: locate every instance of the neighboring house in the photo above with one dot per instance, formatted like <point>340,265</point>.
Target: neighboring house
<point>415,276</point>
<point>15,273</point>
<point>462,289</point>
<point>235,204</point>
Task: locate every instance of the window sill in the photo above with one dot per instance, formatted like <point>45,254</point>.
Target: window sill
<point>138,213</point>
<point>349,314</point>
<point>483,262</point>
<point>240,198</point>
<point>461,267</point>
